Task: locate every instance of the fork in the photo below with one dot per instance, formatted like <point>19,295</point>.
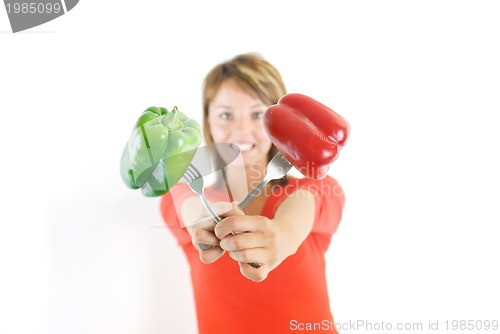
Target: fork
<point>195,181</point>
<point>276,169</point>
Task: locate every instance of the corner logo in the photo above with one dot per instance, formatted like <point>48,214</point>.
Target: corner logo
<point>26,14</point>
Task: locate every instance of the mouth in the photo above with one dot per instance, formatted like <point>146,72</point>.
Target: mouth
<point>243,147</point>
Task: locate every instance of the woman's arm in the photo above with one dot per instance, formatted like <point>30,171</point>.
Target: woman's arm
<point>268,241</point>
<point>295,217</point>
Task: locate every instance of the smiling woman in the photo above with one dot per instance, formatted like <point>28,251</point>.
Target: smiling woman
<point>235,95</point>
<point>287,232</point>
<point>236,118</point>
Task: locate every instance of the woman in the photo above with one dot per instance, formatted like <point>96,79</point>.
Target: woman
<point>287,228</point>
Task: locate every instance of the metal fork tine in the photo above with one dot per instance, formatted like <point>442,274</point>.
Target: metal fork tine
<point>193,170</point>
<point>191,175</point>
<point>285,159</point>
<point>188,176</point>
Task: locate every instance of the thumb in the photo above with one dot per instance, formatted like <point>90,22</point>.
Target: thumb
<point>221,208</point>
<point>238,212</point>
<point>227,209</point>
<point>236,209</point>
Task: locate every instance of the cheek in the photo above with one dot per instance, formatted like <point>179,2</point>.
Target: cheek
<point>219,136</point>
<point>262,137</point>
<point>220,132</point>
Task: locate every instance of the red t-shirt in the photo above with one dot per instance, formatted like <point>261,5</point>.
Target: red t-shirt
<point>292,297</point>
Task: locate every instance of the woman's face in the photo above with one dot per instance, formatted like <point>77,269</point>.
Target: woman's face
<point>235,117</point>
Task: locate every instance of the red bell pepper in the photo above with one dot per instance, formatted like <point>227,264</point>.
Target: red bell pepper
<point>309,134</point>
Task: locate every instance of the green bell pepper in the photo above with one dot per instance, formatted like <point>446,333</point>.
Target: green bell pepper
<point>159,150</point>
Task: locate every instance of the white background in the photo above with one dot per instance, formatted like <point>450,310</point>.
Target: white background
<point>417,80</point>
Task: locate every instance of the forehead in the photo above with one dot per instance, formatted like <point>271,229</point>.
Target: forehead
<point>232,94</point>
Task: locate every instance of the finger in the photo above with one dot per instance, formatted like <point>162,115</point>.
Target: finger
<point>220,208</point>
<point>211,255</point>
<point>235,211</point>
<point>206,223</point>
<point>255,274</point>
<point>202,236</point>
<point>205,247</point>
<point>226,209</point>
<point>209,240</point>
<point>239,224</point>
<point>240,241</point>
<point>250,255</point>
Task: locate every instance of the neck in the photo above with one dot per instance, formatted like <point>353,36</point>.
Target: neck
<point>254,174</point>
<point>243,180</point>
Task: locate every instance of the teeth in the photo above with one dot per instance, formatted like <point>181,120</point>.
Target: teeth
<point>244,147</point>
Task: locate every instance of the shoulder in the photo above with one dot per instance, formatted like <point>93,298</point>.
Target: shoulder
<point>326,187</point>
<point>327,192</point>
<point>330,200</point>
<point>326,180</point>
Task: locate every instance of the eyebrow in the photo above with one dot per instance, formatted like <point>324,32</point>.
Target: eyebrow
<point>258,105</point>
<point>252,107</point>
<point>223,107</point>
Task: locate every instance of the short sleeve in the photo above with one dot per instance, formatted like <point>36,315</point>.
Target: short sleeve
<point>169,213</point>
<point>330,200</point>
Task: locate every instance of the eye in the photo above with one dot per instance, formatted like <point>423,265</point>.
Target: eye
<point>226,115</point>
<point>259,114</point>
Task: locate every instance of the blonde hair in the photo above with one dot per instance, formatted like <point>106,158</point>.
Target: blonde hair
<point>253,74</point>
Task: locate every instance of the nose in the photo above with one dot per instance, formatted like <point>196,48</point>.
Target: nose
<point>243,124</point>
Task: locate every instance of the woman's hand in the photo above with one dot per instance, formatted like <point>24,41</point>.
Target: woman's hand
<point>202,231</point>
<point>267,241</point>
<point>263,242</point>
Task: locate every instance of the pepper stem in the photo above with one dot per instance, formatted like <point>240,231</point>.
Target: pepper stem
<point>176,117</point>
